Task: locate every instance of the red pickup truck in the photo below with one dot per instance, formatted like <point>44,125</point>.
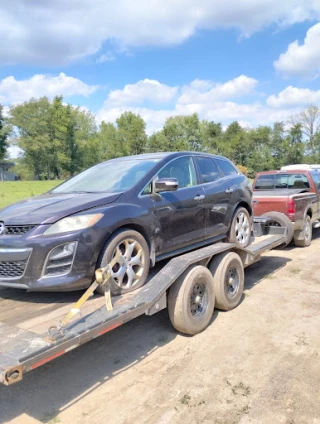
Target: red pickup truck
<point>295,193</point>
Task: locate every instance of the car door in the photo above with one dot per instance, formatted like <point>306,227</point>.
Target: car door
<point>180,214</point>
<point>230,188</point>
<point>216,199</point>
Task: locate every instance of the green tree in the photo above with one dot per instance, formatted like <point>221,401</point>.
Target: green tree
<point>183,132</point>
<point>4,133</point>
<point>131,134</point>
<point>158,142</point>
<point>58,131</point>
<point>309,120</point>
<point>260,158</point>
<point>52,135</point>
<point>211,136</point>
<point>236,144</point>
<point>30,121</point>
<point>277,146</point>
<point>82,128</point>
<point>293,145</point>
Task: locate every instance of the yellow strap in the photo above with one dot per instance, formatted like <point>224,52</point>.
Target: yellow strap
<point>76,307</point>
<point>103,276</point>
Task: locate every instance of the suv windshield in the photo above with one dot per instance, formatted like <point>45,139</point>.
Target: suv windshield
<point>111,176</point>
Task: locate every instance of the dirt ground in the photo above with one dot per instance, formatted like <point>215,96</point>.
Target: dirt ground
<point>256,364</point>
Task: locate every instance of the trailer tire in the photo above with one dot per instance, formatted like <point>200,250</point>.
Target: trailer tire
<point>240,236</point>
<point>191,300</point>
<point>306,232</point>
<point>228,280</point>
<point>121,239</point>
<point>279,219</point>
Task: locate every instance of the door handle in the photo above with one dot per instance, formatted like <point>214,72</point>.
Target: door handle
<point>199,197</point>
<point>229,190</point>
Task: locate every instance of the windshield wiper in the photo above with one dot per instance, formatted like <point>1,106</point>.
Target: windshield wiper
<point>79,192</point>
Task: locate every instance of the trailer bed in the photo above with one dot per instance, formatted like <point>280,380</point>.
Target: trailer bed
<point>26,317</point>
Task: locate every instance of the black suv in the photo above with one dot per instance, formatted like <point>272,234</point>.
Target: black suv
<point>145,207</point>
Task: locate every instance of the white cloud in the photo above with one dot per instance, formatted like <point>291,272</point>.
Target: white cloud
<point>145,90</point>
<point>293,97</point>
<point>48,32</point>
<point>106,57</point>
<point>14,152</point>
<point>207,92</point>
<point>212,101</point>
<point>16,91</point>
<point>302,60</point>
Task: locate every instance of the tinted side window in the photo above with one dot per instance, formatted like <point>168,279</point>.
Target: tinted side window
<point>226,167</point>
<point>316,180</point>
<point>208,170</point>
<point>296,181</point>
<point>182,169</point>
<point>265,182</point>
<point>281,181</point>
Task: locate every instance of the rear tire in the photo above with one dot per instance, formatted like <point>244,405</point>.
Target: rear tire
<point>307,234</point>
<point>240,229</point>
<point>228,280</point>
<point>191,301</point>
<point>279,219</point>
<point>131,270</point>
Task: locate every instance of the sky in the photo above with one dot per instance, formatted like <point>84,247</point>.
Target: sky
<point>256,62</point>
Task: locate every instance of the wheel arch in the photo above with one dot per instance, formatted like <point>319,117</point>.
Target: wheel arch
<point>140,229</point>
<point>245,205</point>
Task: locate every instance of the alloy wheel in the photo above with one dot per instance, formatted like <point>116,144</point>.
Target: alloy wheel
<point>242,228</point>
<point>129,267</point>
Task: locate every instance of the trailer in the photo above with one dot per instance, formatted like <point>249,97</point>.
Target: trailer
<point>36,328</point>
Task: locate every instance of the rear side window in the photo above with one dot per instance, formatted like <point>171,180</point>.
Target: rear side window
<point>208,170</point>
<point>279,181</point>
<point>316,180</point>
<point>226,167</point>
<point>296,181</point>
<point>265,182</point>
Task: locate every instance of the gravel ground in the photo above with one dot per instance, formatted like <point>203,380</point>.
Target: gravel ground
<point>256,364</point>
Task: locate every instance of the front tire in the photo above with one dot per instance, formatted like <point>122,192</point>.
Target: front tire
<point>131,270</point>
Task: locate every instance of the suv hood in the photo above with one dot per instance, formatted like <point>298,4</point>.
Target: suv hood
<point>49,208</point>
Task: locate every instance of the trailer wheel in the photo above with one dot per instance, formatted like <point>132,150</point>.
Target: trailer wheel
<point>279,219</point>
<point>191,301</point>
<point>131,270</point>
<point>228,280</point>
<point>306,233</point>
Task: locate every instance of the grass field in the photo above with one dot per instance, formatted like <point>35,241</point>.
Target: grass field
<point>12,191</point>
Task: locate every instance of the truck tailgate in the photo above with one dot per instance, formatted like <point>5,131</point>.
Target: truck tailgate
<point>267,201</point>
<point>280,200</point>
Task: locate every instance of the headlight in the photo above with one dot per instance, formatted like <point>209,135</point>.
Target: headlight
<point>73,223</point>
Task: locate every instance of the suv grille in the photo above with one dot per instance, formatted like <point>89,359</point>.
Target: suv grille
<point>17,230</point>
<point>12,269</point>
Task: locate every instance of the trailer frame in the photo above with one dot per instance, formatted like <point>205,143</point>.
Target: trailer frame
<point>22,350</point>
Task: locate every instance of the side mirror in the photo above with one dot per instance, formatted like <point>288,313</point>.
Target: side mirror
<point>165,184</point>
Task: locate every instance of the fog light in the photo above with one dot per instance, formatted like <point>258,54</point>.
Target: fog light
<point>60,259</point>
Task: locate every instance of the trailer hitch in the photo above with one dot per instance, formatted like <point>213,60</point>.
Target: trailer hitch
<point>102,278</point>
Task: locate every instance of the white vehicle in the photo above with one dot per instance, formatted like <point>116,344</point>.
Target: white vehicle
<point>301,166</point>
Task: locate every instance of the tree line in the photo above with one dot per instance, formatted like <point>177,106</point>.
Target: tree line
<point>59,140</point>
